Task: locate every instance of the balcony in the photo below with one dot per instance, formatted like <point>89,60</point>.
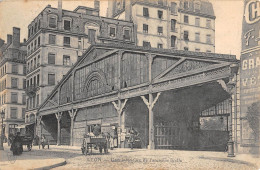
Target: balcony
<point>31,90</point>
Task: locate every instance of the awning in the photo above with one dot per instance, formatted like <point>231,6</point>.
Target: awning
<point>24,125</point>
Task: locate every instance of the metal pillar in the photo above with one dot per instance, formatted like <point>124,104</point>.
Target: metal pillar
<point>150,104</point>
<point>58,116</point>
<point>72,114</point>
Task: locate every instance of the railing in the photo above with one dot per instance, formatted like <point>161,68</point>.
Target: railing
<point>31,89</point>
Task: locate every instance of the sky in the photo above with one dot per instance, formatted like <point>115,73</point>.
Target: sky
<point>228,26</point>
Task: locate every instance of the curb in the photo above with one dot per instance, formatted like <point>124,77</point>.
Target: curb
<point>231,160</point>
<point>53,166</point>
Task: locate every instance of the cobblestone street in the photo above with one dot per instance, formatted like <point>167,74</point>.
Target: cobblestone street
<point>137,159</point>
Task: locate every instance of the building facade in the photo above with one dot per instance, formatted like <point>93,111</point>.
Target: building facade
<point>56,40</point>
<point>183,24</point>
<point>12,81</point>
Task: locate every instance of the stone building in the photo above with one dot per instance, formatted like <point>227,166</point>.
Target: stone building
<point>183,24</point>
<point>56,40</point>
<point>12,81</point>
<point>161,93</point>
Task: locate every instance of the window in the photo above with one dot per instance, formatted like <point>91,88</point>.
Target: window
<point>52,22</point>
<point>197,6</point>
<point>145,12</point>
<point>66,60</point>
<point>35,44</point>
<point>14,68</point>
<point>186,35</point>
<point>91,35</point>
<point>186,19</point>
<point>159,45</point>
<point>24,83</point>
<point>38,61</point>
<point>186,5</point>
<point>23,113</point>
<point>24,70</point>
<point>146,44</point>
<point>39,41</point>
<point>160,14</point>
<point>51,58</point>
<point>173,41</point>
<point>197,37</point>
<point>66,41</point>
<point>112,31</point>
<point>173,8</point>
<point>197,22</point>
<point>14,82</point>
<point>14,97</point>
<point>145,28</point>
<point>13,113</point>
<point>51,79</point>
<point>208,39</point>
<point>160,30</point>
<point>37,100</point>
<point>38,79</point>
<point>66,25</point>
<point>208,23</point>
<point>186,49</point>
<point>127,34</point>
<point>52,39</point>
<point>24,99</point>
<point>160,2</point>
<point>173,25</point>
<point>197,49</point>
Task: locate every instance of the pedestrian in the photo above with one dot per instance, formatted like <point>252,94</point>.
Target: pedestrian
<point>17,146</point>
<point>43,141</point>
<point>132,137</point>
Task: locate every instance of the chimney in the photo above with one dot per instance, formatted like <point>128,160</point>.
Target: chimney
<point>9,39</point>
<point>60,10</point>
<point>97,5</point>
<point>16,37</point>
<point>128,10</point>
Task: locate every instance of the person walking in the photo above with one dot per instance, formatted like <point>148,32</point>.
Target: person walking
<point>132,137</point>
<point>43,141</point>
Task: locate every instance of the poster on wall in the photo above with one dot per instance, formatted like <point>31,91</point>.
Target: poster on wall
<point>250,66</point>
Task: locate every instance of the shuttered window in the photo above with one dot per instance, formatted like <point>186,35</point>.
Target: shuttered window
<point>127,34</point>
<point>14,97</point>
<point>15,68</point>
<point>145,12</point>
<point>52,22</point>
<point>14,82</point>
<point>66,41</point>
<point>51,58</point>
<point>52,39</point>
<point>13,112</point>
<point>51,79</point>
<point>91,35</point>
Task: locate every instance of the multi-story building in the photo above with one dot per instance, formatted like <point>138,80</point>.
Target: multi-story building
<point>183,24</point>
<point>12,81</point>
<point>57,38</point>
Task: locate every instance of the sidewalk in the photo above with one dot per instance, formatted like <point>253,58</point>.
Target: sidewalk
<point>246,159</point>
<point>27,160</point>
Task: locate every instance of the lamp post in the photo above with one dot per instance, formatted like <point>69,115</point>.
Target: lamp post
<point>2,130</point>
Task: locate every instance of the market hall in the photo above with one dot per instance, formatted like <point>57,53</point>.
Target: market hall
<point>160,93</point>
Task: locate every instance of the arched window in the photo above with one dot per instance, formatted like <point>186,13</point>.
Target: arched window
<point>92,30</point>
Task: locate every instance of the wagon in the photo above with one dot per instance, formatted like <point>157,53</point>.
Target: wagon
<point>27,141</point>
<point>98,142</point>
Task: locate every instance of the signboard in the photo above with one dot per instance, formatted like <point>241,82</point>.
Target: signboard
<point>250,64</point>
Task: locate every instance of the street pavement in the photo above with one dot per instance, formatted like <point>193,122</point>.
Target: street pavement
<point>133,159</point>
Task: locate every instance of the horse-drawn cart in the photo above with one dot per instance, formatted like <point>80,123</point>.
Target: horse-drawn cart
<point>27,141</point>
<point>98,142</point>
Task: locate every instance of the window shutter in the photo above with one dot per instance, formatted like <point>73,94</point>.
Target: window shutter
<point>51,58</point>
